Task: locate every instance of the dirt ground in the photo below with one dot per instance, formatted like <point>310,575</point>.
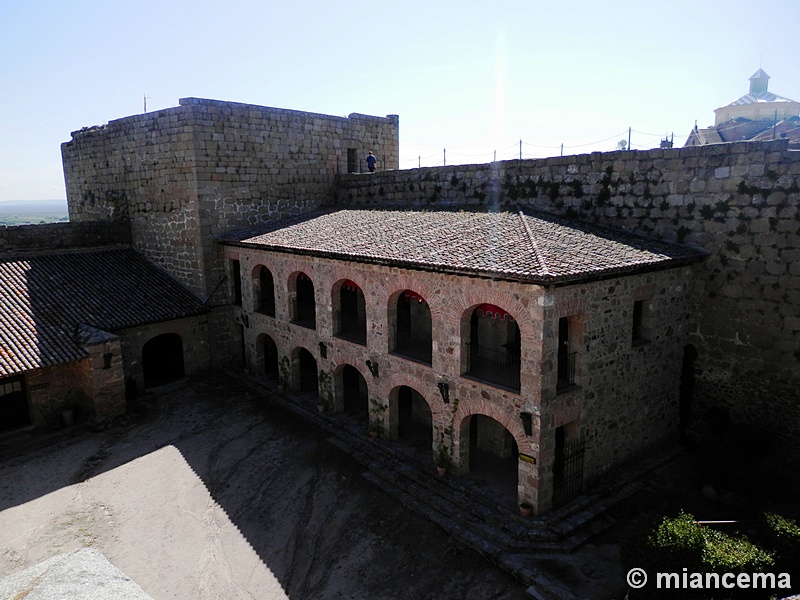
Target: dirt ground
<point>211,492</point>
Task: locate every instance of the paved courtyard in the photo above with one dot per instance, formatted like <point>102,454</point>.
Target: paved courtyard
<point>211,492</point>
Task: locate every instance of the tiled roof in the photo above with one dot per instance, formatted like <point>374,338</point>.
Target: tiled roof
<point>525,247</point>
<point>758,98</point>
<point>49,303</point>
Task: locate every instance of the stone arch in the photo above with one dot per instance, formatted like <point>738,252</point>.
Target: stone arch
<point>471,298</point>
<point>490,343</point>
<point>348,304</point>
<point>410,323</point>
<point>162,359</point>
<point>489,453</point>
<point>395,404</point>
<point>463,307</point>
<point>302,300</point>
<point>432,295</point>
<point>344,388</point>
<point>304,375</point>
<point>508,419</point>
<point>267,357</point>
<point>263,283</point>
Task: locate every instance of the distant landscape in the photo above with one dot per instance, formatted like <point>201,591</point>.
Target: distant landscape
<point>23,212</point>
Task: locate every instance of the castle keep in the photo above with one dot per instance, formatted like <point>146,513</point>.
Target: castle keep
<point>567,311</point>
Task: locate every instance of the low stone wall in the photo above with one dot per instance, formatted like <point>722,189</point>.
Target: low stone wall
<point>62,236</point>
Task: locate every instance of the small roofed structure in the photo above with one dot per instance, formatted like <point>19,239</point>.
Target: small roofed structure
<point>70,324</point>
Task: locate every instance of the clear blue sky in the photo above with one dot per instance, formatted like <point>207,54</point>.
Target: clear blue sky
<point>468,76</point>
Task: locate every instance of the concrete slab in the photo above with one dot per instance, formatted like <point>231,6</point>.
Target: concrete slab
<point>82,574</point>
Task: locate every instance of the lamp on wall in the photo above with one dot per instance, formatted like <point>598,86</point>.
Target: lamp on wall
<point>527,422</point>
<point>444,390</point>
<point>373,367</point>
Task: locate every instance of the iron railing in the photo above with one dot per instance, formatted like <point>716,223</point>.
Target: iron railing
<point>568,471</point>
<point>352,327</point>
<point>305,314</point>
<point>499,366</point>
<point>412,343</point>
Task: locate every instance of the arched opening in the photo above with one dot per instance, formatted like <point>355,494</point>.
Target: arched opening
<point>162,359</point>
<point>307,372</point>
<point>350,312</point>
<point>414,420</point>
<point>493,458</point>
<point>492,347</point>
<point>264,291</point>
<point>269,353</point>
<point>354,392</point>
<point>14,411</point>
<point>411,331</point>
<point>304,307</point>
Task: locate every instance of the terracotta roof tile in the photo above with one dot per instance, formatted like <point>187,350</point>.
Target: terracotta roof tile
<point>532,247</point>
<point>47,301</point>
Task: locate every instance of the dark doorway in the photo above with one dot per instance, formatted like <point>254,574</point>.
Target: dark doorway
<point>266,292</point>
<point>414,422</point>
<point>14,411</point>
<point>352,160</point>
<point>162,359</point>
<point>308,372</point>
<point>567,466</point>
<point>354,389</point>
<point>305,308</point>
<point>493,459</point>
<point>412,328</point>
<point>352,316</point>
<point>270,351</point>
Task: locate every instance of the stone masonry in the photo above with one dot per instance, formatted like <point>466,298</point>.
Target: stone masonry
<point>182,175</point>
<point>739,202</point>
<point>625,401</point>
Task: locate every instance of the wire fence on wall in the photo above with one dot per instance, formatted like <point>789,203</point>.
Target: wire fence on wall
<point>629,139</point>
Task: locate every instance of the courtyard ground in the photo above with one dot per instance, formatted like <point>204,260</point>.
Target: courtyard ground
<point>212,492</point>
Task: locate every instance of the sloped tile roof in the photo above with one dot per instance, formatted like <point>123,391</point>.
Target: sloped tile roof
<point>758,98</point>
<point>48,302</point>
<point>534,248</point>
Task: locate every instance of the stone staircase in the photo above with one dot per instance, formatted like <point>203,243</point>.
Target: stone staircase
<point>511,541</point>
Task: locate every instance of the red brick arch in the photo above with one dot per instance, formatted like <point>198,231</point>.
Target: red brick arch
<point>339,365</point>
<point>398,285</point>
<point>506,418</point>
<point>470,299</point>
<point>426,390</point>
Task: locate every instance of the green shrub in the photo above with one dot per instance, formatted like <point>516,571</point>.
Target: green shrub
<point>678,544</point>
<point>723,553</point>
<point>783,536</point>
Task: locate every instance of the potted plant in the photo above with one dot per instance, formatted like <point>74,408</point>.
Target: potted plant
<point>442,459</point>
<point>374,430</point>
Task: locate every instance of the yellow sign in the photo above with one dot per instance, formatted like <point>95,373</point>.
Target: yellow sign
<point>527,458</point>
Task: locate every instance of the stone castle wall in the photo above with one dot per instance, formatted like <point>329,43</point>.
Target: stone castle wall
<point>739,202</point>
<point>18,239</point>
<point>183,174</point>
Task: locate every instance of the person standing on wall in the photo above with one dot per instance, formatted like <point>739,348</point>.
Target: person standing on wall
<point>371,160</point>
